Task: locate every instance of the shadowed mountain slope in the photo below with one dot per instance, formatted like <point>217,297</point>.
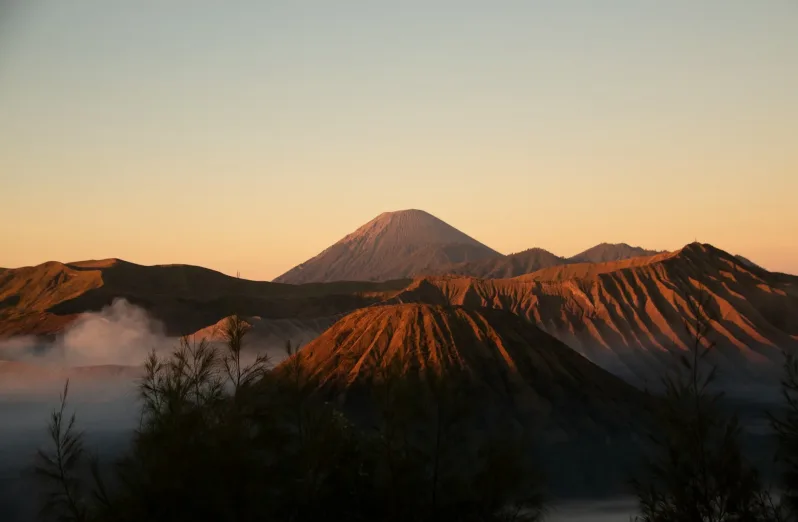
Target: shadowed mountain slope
<point>748,262</point>
<point>44,299</point>
<point>393,245</point>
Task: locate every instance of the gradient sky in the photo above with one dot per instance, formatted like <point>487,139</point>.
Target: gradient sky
<point>251,135</point>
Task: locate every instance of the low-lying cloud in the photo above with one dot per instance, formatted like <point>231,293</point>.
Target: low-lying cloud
<point>119,334</point>
<point>100,353</point>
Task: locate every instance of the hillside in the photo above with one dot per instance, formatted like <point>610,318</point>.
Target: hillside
<point>627,316</point>
<point>517,369</point>
<point>393,245</point>
<point>44,299</point>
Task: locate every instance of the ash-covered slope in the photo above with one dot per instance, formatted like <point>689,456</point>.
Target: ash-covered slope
<point>518,370</point>
<point>394,245</point>
<point>628,316</point>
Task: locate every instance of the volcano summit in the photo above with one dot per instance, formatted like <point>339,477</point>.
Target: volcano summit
<point>394,245</point>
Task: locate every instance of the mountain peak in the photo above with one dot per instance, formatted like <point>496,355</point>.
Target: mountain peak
<point>410,227</point>
<point>502,353</point>
<point>605,252</point>
<point>97,263</point>
<point>393,245</point>
<point>407,211</point>
<point>605,244</point>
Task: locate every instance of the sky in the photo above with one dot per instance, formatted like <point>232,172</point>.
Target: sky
<point>249,136</point>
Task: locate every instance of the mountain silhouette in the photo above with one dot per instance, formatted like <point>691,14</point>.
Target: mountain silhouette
<point>45,299</point>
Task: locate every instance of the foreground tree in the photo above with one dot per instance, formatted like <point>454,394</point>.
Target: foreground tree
<point>240,375</point>
<point>697,472</point>
<point>786,427</point>
<point>61,467</point>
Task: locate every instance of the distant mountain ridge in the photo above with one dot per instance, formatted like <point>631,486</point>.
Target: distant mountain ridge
<point>45,299</point>
<point>534,259</point>
<point>500,267</point>
<point>411,243</point>
<point>606,252</point>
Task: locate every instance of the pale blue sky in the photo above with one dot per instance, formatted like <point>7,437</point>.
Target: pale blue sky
<point>251,135</point>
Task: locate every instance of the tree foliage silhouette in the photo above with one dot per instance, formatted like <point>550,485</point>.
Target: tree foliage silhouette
<point>785,425</point>
<point>222,440</point>
<point>697,472</point>
<point>60,468</point>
